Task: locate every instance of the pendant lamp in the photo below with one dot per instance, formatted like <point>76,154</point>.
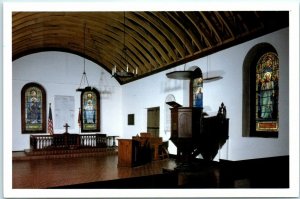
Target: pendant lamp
<point>84,78</point>
<point>124,73</point>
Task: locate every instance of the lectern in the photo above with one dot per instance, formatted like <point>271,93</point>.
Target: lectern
<point>128,153</point>
<point>191,132</point>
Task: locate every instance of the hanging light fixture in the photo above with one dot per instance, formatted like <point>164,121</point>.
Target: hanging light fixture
<point>187,74</point>
<point>210,78</point>
<point>124,73</point>
<point>84,78</point>
<point>182,74</point>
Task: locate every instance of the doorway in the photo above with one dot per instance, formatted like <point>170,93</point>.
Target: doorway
<point>153,121</point>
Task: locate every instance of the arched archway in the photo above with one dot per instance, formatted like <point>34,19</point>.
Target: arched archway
<point>260,92</point>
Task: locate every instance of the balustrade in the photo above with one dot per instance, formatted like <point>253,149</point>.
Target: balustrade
<point>67,141</point>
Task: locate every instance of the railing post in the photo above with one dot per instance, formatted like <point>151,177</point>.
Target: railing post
<point>38,143</point>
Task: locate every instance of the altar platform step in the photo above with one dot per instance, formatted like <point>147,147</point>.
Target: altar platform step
<point>63,153</point>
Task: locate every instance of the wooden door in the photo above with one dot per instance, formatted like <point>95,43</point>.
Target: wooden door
<point>153,121</point>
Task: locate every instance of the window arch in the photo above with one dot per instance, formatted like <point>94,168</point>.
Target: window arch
<point>90,110</point>
<point>33,108</point>
<point>261,91</point>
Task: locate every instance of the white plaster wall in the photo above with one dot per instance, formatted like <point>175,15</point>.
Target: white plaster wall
<point>151,92</point>
<point>60,74</point>
<point>147,93</point>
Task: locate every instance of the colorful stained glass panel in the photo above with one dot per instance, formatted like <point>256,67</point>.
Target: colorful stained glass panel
<point>267,78</point>
<point>198,92</point>
<point>89,111</point>
<point>33,109</point>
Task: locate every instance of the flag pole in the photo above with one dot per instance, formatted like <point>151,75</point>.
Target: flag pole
<point>79,120</point>
<point>50,121</point>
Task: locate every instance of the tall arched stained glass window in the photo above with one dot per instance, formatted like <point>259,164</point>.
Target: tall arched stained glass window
<point>33,108</point>
<point>267,79</point>
<point>90,114</point>
<point>261,92</point>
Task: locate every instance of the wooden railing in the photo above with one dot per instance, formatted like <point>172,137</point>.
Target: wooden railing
<point>67,141</point>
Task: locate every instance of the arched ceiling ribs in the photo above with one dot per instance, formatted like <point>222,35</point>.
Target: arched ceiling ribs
<point>237,25</point>
<point>163,33</point>
<point>106,41</point>
<point>176,31</point>
<point>211,27</point>
<point>149,23</point>
<point>155,41</point>
<point>188,27</point>
<point>136,59</point>
<point>143,45</point>
<point>196,22</point>
<point>100,55</point>
<point>225,24</point>
<point>180,23</point>
<point>156,38</point>
<point>170,34</point>
<point>156,50</point>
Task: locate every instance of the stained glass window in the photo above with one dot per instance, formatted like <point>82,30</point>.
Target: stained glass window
<point>267,78</point>
<point>33,108</point>
<point>197,89</point>
<point>90,110</point>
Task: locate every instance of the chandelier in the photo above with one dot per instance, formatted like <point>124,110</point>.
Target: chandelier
<point>124,73</point>
<point>84,79</point>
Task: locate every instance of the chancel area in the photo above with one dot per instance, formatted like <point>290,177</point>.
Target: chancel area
<point>181,100</point>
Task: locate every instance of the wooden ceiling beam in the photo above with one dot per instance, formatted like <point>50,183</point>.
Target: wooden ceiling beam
<point>168,35</point>
<point>195,22</point>
<point>175,30</point>
<point>144,51</point>
<point>190,29</point>
<point>155,41</point>
<point>133,59</point>
<point>136,49</point>
<point>189,37</point>
<point>212,28</point>
<point>159,41</point>
<point>138,60</point>
<point>225,23</point>
<point>147,37</point>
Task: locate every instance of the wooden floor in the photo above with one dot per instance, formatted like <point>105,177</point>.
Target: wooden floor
<point>51,173</point>
<point>102,171</point>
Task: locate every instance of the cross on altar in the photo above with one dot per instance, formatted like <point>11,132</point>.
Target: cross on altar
<point>66,126</point>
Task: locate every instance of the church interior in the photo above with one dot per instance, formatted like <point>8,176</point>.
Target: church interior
<point>150,100</point>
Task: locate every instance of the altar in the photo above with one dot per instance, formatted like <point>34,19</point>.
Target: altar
<point>68,140</point>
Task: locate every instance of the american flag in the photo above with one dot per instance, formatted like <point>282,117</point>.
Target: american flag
<point>50,121</point>
<point>79,118</point>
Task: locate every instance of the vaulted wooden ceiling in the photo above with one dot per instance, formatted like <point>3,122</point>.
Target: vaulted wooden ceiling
<point>148,41</point>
